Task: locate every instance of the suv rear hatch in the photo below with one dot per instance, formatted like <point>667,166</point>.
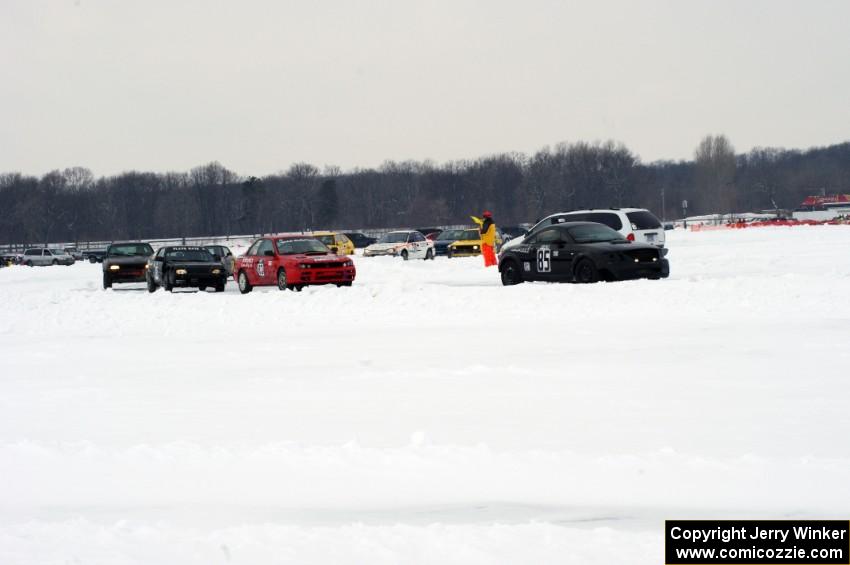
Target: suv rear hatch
<point>646,227</point>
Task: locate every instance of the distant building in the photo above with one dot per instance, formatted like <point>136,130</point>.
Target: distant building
<point>825,207</point>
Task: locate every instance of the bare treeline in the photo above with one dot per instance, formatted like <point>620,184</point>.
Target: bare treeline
<point>73,205</point>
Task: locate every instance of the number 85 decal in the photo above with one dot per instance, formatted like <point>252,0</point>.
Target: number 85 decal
<point>544,260</point>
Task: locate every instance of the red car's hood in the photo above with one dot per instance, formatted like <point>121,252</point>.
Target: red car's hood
<point>320,258</point>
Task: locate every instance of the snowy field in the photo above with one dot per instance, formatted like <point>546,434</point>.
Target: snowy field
<point>427,414</point>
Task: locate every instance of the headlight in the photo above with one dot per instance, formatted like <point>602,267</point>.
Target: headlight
<point>114,267</point>
<point>349,263</point>
<point>475,247</point>
<point>180,271</point>
<point>216,271</point>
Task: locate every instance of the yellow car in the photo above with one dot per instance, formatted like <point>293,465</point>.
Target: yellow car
<point>469,244</point>
<point>332,239</point>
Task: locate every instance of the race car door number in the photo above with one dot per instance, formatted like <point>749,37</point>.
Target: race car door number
<point>544,260</point>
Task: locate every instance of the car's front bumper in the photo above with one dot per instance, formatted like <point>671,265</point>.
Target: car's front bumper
<point>195,280</point>
<point>380,253</point>
<point>325,276</point>
<point>464,251</point>
<point>127,275</point>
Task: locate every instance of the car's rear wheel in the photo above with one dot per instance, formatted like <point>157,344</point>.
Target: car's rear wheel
<point>281,280</point>
<point>511,274</point>
<point>54,262</point>
<point>242,280</point>
<point>404,255</point>
<point>29,263</point>
<point>107,281</point>
<point>586,272</point>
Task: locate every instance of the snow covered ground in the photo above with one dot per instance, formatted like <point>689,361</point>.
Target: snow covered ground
<point>427,414</point>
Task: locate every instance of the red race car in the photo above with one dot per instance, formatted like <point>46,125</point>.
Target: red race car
<point>291,262</point>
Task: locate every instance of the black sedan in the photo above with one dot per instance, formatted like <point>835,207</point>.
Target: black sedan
<point>359,239</point>
<point>187,267</point>
<point>125,263</point>
<point>583,252</point>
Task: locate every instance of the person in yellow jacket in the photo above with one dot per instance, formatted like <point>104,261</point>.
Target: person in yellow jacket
<point>487,229</point>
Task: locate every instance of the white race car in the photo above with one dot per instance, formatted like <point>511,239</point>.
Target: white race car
<point>404,244</point>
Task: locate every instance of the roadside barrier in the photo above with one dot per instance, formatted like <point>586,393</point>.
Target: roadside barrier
<point>767,223</point>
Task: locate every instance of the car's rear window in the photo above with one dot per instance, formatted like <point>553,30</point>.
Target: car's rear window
<point>643,220</point>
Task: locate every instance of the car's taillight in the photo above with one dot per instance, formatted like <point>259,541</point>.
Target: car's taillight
<point>630,237</point>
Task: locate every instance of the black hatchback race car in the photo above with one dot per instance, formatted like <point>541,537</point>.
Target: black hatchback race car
<point>125,263</point>
<point>187,267</point>
<point>583,252</point>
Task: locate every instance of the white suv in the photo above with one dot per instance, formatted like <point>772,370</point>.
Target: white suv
<point>635,224</point>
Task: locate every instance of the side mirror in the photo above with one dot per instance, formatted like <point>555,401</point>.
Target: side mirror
<point>269,253</point>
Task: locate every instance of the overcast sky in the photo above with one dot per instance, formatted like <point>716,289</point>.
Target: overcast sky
<point>169,84</point>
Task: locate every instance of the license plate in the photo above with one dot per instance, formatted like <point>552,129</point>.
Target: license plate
<point>650,236</point>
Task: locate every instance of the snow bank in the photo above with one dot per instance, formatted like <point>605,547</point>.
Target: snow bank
<point>426,414</point>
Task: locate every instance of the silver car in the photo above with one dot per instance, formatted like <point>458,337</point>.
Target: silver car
<point>44,256</point>
<point>223,254</point>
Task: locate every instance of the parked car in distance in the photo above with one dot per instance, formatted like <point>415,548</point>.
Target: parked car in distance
<point>337,242</point>
<point>42,256</point>
<point>291,262</point>
<point>125,263</point>
<point>94,255</point>
<point>11,258</point>
<point>186,267</point>
<point>75,253</point>
<point>223,254</point>
<point>360,240</point>
<point>510,232</point>
<point>407,244</point>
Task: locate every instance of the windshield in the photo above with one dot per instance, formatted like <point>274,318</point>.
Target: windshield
<point>130,249</point>
<point>643,220</point>
<point>594,233</point>
<point>394,237</point>
<point>450,235</point>
<point>299,246</point>
<point>471,234</point>
<point>326,239</point>
<point>189,255</point>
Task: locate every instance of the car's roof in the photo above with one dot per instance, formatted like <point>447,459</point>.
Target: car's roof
<point>186,247</point>
<point>129,243</point>
<point>613,210</point>
<point>290,235</point>
<point>324,232</point>
<point>574,224</point>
